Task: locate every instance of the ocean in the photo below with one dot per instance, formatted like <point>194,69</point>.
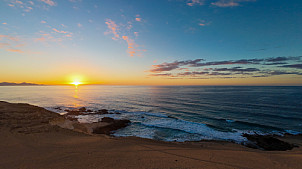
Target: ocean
<point>176,113</point>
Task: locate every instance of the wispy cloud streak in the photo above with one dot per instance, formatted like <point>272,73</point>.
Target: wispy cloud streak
<point>229,3</point>
<point>119,34</point>
<point>112,26</point>
<point>195,2</point>
<point>265,68</point>
<point>49,2</point>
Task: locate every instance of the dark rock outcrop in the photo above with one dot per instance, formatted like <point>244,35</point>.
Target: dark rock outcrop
<point>102,111</point>
<point>82,109</point>
<point>77,112</point>
<point>112,125</point>
<point>267,142</point>
<point>73,112</point>
<point>107,120</point>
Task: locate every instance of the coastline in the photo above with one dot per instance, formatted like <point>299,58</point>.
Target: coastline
<point>30,141</point>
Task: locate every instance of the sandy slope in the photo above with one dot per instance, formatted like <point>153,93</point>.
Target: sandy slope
<point>28,141</point>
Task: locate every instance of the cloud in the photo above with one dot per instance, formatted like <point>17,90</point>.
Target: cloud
<point>230,62</point>
<point>54,35</point>
<point>28,6</point>
<point>9,37</point>
<point>67,34</point>
<point>131,51</point>
<point>133,48</point>
<point>43,21</point>
<point>54,29</point>
<point>80,25</point>
<point>15,50</point>
<point>130,42</point>
<point>113,28</point>
<point>19,2</point>
<point>203,23</point>
<point>49,2</point>
<point>283,73</point>
<point>237,69</point>
<point>28,9</point>
<point>281,59</point>
<point>174,65</point>
<point>192,73</point>
<point>195,2</point>
<point>224,3</point>
<point>45,37</point>
<point>2,45</point>
<point>74,1</point>
<point>162,74</point>
<point>268,73</point>
<point>219,74</point>
<point>196,63</point>
<point>138,18</point>
<point>42,39</point>
<point>271,61</point>
<point>191,68</point>
<point>10,43</point>
<point>4,23</point>
<point>229,3</point>
<point>276,63</point>
<point>25,6</point>
<point>296,66</point>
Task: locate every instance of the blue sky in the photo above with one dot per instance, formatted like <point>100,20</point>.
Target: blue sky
<point>123,42</point>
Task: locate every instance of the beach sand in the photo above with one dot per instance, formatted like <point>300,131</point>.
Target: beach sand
<point>29,141</point>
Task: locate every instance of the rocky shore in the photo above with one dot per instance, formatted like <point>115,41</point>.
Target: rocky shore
<point>105,126</point>
<point>32,137</point>
<point>25,118</point>
<point>270,142</point>
<point>35,119</point>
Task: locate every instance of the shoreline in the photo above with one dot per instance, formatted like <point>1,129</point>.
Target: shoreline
<point>269,142</point>
<point>29,141</point>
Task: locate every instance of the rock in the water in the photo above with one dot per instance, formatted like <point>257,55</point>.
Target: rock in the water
<point>74,112</point>
<point>108,119</point>
<point>82,109</point>
<point>102,111</point>
<point>268,142</point>
<point>113,125</point>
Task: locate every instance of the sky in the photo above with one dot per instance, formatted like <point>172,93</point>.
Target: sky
<point>158,42</point>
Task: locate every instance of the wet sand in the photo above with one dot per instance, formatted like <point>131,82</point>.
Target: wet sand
<point>29,141</point>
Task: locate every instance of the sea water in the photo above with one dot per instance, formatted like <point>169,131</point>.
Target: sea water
<point>176,113</point>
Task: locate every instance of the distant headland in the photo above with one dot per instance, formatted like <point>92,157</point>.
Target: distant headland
<point>19,84</point>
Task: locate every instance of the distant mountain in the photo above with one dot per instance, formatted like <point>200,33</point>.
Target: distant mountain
<point>18,84</point>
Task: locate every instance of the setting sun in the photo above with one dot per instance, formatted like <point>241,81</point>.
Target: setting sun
<point>76,80</point>
<point>76,83</point>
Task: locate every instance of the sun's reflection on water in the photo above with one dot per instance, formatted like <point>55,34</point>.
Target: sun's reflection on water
<point>76,93</point>
<point>76,100</point>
